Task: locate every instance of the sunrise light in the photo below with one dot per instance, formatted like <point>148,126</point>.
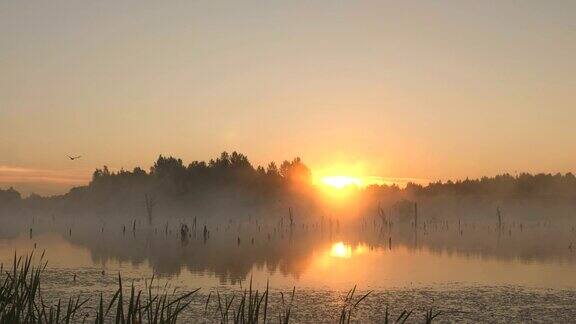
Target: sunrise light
<point>341,181</point>
<point>341,250</point>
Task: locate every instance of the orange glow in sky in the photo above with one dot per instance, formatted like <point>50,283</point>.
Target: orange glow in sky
<point>342,181</point>
<point>341,175</point>
<point>339,181</point>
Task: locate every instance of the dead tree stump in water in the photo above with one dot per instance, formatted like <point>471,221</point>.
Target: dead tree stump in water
<point>416,216</point>
<point>149,202</point>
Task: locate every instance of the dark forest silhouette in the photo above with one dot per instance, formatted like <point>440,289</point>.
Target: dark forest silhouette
<point>231,177</point>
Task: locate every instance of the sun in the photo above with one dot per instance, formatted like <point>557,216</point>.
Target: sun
<point>341,181</point>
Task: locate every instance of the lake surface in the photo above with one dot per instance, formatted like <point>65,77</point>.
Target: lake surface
<point>473,273</point>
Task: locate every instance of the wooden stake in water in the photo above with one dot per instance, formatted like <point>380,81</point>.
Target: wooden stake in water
<point>416,215</point>
<point>150,202</point>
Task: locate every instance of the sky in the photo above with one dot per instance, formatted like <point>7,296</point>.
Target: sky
<point>430,90</point>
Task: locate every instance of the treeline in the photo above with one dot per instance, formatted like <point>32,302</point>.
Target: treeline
<point>230,179</point>
<point>9,196</point>
<point>233,173</point>
<point>524,185</point>
<point>171,176</point>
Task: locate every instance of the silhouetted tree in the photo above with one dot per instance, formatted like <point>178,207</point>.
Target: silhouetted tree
<point>9,196</point>
<point>295,171</point>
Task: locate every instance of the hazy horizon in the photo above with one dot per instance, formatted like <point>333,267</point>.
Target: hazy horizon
<point>46,182</point>
<point>432,90</point>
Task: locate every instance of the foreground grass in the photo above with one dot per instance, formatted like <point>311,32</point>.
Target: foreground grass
<point>21,301</point>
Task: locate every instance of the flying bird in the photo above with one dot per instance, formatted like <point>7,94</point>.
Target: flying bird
<point>74,157</point>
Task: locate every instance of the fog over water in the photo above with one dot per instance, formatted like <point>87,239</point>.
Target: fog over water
<point>442,245</point>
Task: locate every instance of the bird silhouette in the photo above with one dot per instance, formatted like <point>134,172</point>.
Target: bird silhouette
<point>74,157</point>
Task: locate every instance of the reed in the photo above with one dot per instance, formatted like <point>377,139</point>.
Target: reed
<point>21,301</point>
<point>224,307</point>
<point>158,308</point>
<point>402,318</point>
<point>431,315</point>
<point>284,316</point>
<point>350,305</point>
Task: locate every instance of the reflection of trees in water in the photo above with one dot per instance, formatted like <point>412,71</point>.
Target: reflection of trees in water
<point>292,254</point>
<point>529,231</point>
<point>219,255</point>
<point>515,240</point>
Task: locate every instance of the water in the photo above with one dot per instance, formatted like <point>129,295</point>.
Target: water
<point>471,273</point>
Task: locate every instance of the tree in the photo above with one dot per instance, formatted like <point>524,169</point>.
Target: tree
<point>296,171</point>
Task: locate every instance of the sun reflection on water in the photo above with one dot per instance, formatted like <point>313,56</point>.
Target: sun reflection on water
<point>345,251</point>
<point>341,250</point>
